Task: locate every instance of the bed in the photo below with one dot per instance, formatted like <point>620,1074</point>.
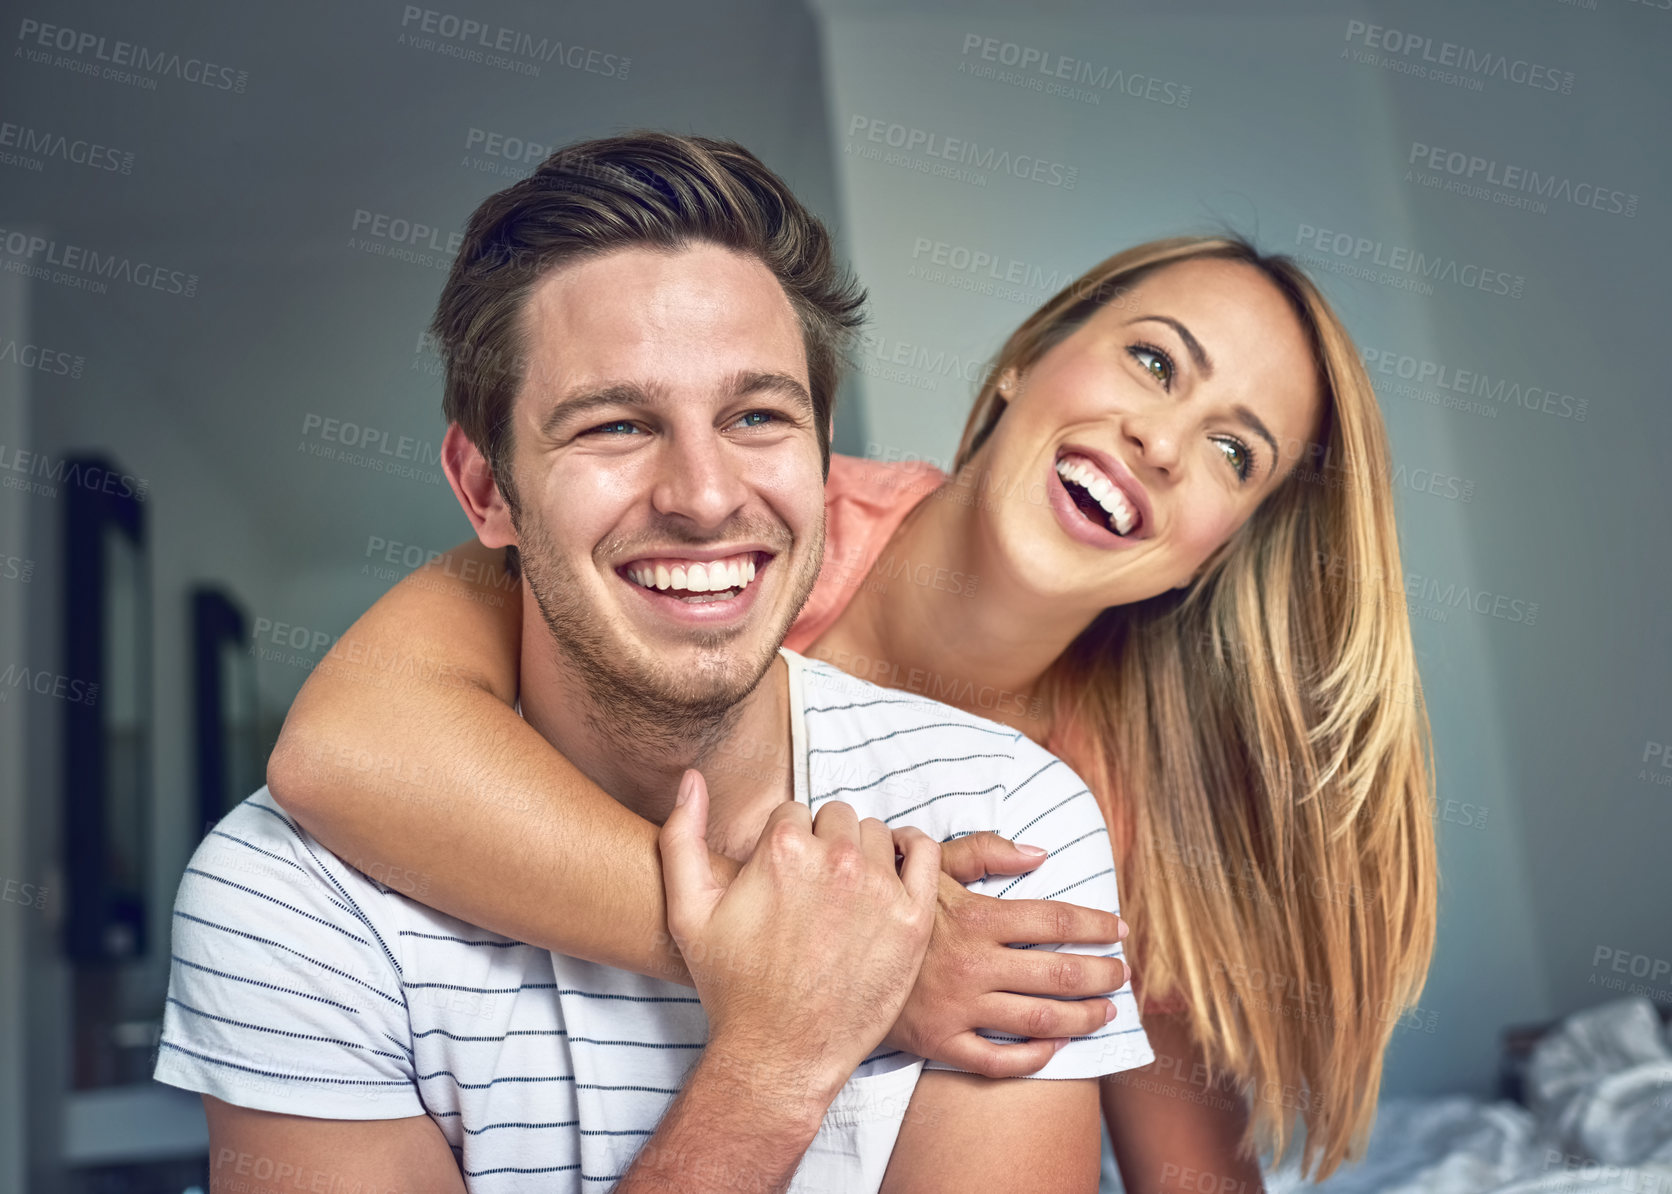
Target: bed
<point>1593,1116</point>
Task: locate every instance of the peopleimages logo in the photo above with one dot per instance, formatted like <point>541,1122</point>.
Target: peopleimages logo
<point>1361,252</point>
<point>1037,69</point>
<point>1448,595</point>
<point>1448,62</point>
<point>369,447</point>
<point>19,466</point>
<point>1473,176</point>
<point>86,268</point>
<point>959,151</point>
<point>46,360</point>
<point>496,153</point>
<point>33,146</point>
<point>470,40</point>
<point>144,64</point>
<point>1446,385</point>
<point>403,239</point>
<point>921,359</point>
<point>987,265</point>
<point>45,683</point>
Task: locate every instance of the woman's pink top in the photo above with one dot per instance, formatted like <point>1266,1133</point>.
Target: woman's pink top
<point>865,501</point>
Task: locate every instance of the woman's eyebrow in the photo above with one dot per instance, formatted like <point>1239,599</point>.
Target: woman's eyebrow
<point>1204,366</point>
<point>1252,421</point>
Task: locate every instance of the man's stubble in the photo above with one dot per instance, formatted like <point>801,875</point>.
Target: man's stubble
<point>641,704</point>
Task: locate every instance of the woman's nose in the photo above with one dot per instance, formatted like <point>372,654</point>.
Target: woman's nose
<point>1156,435</point>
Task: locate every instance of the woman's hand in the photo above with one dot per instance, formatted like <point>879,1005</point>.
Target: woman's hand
<point>971,978</point>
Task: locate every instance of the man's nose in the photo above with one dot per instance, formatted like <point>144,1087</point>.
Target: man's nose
<point>699,479</point>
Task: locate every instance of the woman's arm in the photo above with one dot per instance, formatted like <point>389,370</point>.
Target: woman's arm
<point>1172,1127</point>
<point>404,755</point>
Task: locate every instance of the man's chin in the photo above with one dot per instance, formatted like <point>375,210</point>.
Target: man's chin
<point>706,679</point>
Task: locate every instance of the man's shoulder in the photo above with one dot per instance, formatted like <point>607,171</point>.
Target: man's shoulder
<point>907,758</point>
<point>259,865</point>
<point>258,875</point>
<point>260,848</point>
<point>285,990</point>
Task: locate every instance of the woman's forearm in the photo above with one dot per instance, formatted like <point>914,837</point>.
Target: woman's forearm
<point>404,756</point>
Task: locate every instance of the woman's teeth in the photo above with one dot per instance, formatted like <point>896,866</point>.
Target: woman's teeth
<point>1080,471</point>
<point>713,576</point>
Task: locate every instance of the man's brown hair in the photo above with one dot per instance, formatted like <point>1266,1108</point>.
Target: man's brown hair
<point>639,190</point>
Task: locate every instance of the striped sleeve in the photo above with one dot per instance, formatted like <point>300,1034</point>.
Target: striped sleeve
<point>1046,804</point>
<point>283,992</point>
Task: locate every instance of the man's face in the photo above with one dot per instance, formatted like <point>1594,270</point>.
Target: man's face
<point>669,482</point>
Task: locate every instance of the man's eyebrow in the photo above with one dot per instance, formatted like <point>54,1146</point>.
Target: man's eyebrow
<point>624,393</point>
<point>577,405</point>
<point>758,382</point>
<point>1204,366</point>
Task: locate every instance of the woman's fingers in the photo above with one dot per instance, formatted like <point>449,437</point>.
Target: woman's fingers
<point>1021,1015</point>
<point>977,855</point>
<point>978,1055</point>
<point>1043,922</point>
<point>1059,974</point>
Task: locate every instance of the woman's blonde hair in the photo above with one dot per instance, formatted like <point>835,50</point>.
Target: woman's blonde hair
<point>1260,748</point>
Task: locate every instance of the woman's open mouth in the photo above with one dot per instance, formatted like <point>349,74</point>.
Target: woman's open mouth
<point>1097,497</point>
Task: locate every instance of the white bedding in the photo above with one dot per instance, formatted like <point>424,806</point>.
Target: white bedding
<point>1599,1121</point>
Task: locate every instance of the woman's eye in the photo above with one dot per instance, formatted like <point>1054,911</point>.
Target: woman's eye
<point>1239,454</point>
<point>1157,363</point>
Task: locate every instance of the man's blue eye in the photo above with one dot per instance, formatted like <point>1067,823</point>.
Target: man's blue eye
<point>618,425</point>
<point>762,415</point>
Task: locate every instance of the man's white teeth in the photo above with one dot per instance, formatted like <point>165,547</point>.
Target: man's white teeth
<point>714,576</point>
<point>1103,491</point>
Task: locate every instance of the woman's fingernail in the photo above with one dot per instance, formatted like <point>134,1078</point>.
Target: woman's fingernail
<point>1032,851</point>
<point>684,793</point>
<point>1110,1014</point>
<point>1056,1046</point>
<point>1124,930</point>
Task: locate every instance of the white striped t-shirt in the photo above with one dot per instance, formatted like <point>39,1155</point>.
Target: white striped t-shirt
<point>299,985</point>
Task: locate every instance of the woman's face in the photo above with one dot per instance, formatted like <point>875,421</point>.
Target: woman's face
<point>1134,449</point>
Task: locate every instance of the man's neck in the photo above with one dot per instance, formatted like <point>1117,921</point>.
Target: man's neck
<point>745,756</point>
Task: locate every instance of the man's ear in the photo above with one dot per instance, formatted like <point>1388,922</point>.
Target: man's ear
<point>472,480</point>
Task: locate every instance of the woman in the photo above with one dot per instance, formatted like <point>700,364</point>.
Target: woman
<point>1140,562</point>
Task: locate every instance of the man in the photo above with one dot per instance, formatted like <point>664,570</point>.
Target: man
<point>654,327</point>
